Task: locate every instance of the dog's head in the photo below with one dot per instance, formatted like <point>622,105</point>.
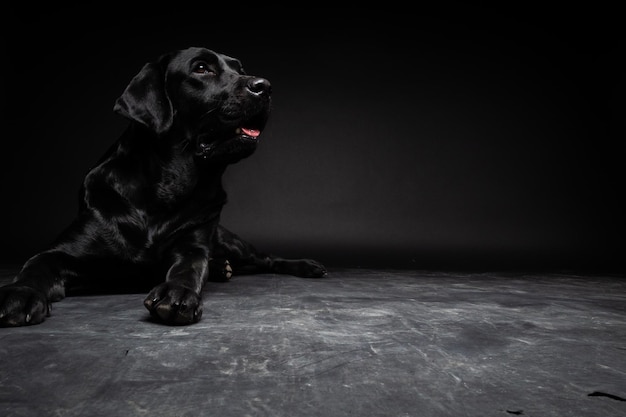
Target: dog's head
<point>202,100</point>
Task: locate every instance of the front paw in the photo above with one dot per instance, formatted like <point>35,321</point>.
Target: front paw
<point>306,268</point>
<point>174,304</point>
<point>22,306</point>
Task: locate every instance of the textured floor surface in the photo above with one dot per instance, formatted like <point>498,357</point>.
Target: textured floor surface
<point>360,343</point>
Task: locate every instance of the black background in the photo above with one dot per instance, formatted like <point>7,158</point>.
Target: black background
<point>454,136</point>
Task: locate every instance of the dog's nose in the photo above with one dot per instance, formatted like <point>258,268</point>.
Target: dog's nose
<point>259,86</point>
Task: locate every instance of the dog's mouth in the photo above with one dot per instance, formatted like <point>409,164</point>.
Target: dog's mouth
<point>250,133</point>
<point>228,147</point>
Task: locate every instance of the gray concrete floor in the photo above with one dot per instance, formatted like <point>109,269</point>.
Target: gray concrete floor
<point>361,342</point>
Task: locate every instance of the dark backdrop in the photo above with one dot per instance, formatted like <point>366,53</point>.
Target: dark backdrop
<point>456,136</point>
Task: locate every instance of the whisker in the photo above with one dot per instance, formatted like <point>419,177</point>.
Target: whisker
<point>208,112</point>
<point>186,143</point>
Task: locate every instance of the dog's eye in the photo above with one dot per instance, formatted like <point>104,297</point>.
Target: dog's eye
<point>203,68</point>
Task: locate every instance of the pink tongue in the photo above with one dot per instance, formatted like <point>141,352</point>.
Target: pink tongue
<point>251,132</point>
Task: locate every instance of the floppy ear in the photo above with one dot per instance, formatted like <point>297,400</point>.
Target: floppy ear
<point>145,99</point>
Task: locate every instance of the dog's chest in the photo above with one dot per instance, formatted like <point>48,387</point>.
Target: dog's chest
<point>149,184</point>
<point>144,199</point>
<point>176,183</point>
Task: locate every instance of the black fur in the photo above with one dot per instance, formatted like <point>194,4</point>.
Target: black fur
<point>150,209</point>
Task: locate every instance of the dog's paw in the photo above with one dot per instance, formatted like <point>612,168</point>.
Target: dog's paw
<point>306,268</point>
<point>22,306</point>
<point>174,304</point>
<point>220,270</point>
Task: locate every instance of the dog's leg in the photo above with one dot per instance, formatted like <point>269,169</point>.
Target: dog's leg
<point>40,282</point>
<point>245,258</point>
<point>178,300</point>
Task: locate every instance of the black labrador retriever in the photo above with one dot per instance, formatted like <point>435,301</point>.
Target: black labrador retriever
<point>150,209</point>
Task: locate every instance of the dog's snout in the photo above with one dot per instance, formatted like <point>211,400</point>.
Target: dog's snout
<point>259,86</point>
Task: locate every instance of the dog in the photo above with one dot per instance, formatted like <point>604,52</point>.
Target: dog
<point>149,211</point>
